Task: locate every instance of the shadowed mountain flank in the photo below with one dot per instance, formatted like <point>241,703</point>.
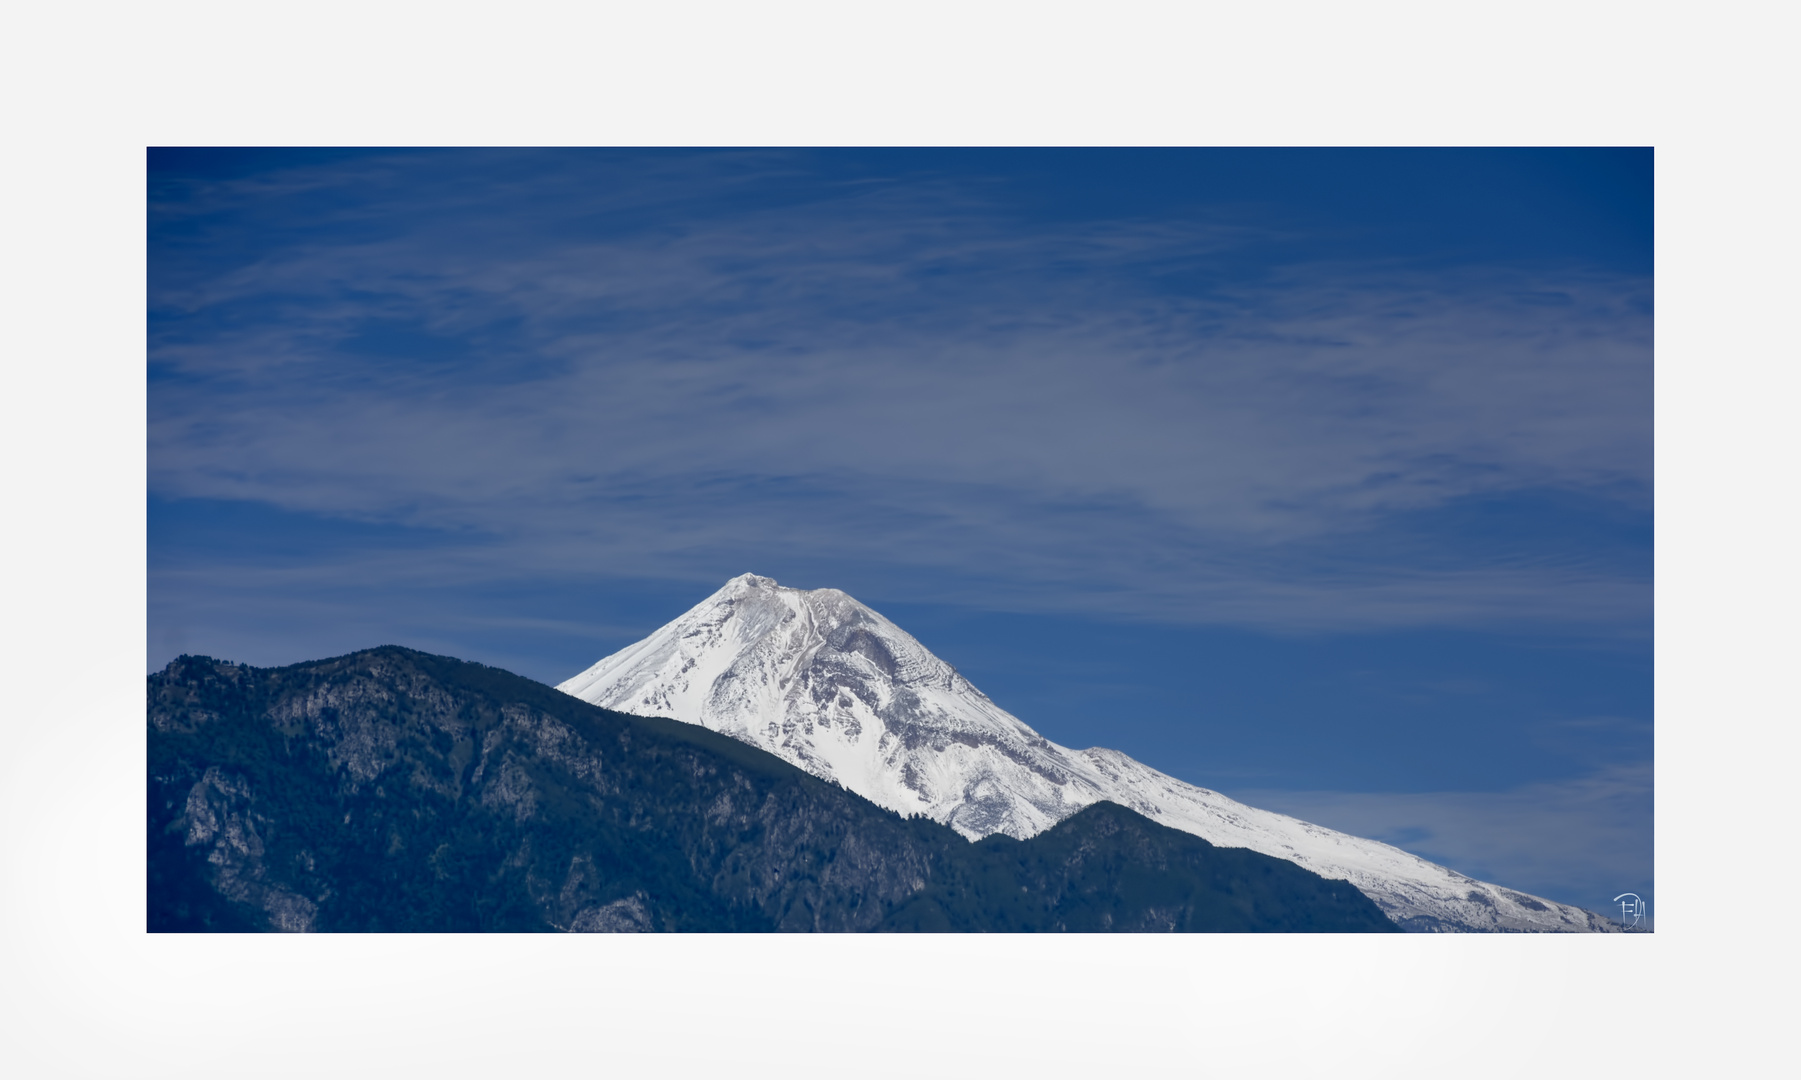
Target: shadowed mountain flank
<point>392,790</point>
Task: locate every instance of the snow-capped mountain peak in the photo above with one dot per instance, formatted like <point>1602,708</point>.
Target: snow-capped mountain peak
<point>831,686</point>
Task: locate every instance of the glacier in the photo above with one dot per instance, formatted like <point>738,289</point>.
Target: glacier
<point>831,686</point>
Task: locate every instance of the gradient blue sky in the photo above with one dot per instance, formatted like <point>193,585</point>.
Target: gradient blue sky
<point>1321,478</point>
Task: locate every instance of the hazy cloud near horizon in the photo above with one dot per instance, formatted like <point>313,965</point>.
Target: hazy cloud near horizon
<point>1583,839</point>
<point>632,378</point>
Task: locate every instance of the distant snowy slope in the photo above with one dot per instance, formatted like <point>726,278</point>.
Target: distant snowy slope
<point>831,686</point>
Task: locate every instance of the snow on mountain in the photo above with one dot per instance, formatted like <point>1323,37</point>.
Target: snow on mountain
<point>827,684</point>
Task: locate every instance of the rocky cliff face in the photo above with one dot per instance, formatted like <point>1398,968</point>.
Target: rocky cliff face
<point>391,790</point>
<point>386,791</point>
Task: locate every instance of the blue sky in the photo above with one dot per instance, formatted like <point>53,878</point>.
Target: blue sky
<point>1322,478</point>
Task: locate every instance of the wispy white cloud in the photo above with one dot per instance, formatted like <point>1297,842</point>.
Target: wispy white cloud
<point>1089,417</point>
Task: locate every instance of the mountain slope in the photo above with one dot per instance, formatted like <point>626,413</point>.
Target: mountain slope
<point>391,790</point>
<point>1107,868</point>
<point>831,686</point>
